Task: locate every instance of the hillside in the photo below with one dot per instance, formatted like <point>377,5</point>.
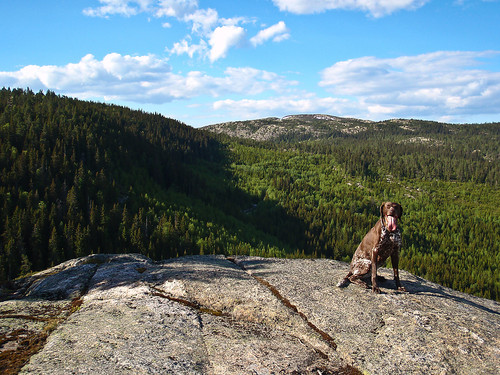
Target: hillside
<point>80,178</point>
<point>332,173</point>
<point>294,128</point>
<point>403,148</point>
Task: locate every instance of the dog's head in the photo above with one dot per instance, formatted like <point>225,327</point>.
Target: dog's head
<point>390,212</point>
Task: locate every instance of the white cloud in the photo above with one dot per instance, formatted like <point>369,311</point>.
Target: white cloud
<point>234,21</point>
<point>277,33</point>
<point>448,86</point>
<point>160,8</point>
<point>121,7</point>
<point>140,79</point>
<point>203,20</point>
<point>175,8</point>
<point>281,106</point>
<point>376,8</point>
<point>183,46</point>
<point>441,82</point>
<point>221,34</point>
<point>222,39</point>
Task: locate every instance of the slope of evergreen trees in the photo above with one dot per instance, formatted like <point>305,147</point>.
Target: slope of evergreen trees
<point>75,179</point>
<point>451,230</point>
<point>80,177</point>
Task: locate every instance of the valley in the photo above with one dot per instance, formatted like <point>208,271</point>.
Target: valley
<point>80,178</point>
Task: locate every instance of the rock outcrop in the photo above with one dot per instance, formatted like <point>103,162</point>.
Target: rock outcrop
<point>125,314</point>
<point>303,127</point>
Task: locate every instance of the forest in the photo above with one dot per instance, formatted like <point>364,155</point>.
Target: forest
<point>80,177</point>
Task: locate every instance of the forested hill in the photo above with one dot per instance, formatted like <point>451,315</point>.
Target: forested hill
<point>79,177</point>
<point>398,147</point>
<point>332,172</point>
<point>297,128</point>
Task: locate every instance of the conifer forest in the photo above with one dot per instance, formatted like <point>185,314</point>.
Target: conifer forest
<point>79,177</point>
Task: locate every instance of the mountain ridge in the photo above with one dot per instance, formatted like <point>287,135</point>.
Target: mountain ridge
<point>303,127</point>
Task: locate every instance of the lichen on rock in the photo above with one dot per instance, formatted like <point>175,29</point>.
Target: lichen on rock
<point>126,314</point>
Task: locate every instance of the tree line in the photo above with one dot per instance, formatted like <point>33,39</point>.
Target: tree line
<point>80,177</point>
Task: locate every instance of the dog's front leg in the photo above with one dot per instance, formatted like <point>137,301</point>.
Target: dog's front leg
<point>374,256</point>
<point>395,268</point>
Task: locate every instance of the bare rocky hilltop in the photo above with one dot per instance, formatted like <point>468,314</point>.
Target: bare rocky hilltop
<point>293,127</point>
<point>308,127</point>
<point>125,314</point>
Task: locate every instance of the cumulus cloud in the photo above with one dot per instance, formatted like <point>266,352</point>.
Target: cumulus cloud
<point>175,8</point>
<point>203,20</point>
<point>441,82</point>
<point>115,76</point>
<point>277,33</point>
<point>183,47</point>
<point>141,79</point>
<point>160,8</point>
<point>437,85</point>
<point>376,8</point>
<point>223,38</point>
<point>216,36</point>
<point>442,85</point>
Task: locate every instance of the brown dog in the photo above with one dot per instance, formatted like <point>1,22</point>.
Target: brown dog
<point>382,241</point>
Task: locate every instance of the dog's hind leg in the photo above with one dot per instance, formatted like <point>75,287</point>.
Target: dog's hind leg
<point>359,268</point>
<point>356,279</point>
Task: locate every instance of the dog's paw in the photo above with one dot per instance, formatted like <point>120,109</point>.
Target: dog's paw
<point>376,289</point>
<point>402,289</point>
<point>343,283</point>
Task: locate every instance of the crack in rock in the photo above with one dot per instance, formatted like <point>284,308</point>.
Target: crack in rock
<point>246,315</point>
<point>160,293</point>
<point>344,370</point>
<point>325,336</point>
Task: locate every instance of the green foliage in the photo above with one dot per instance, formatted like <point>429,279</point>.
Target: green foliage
<point>450,229</point>
<point>80,178</point>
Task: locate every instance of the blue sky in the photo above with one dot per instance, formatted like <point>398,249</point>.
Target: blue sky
<point>209,61</point>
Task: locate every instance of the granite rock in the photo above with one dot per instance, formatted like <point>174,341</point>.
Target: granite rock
<point>125,314</point>
<point>427,330</point>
